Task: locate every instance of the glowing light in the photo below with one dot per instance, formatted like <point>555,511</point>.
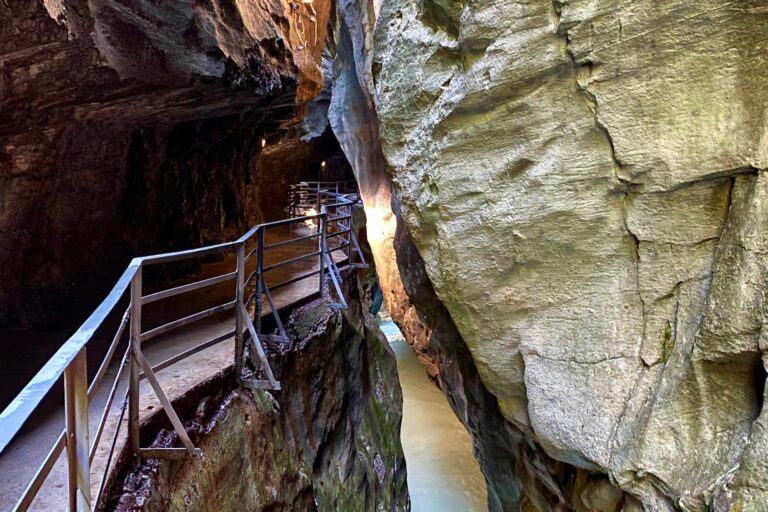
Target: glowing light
<point>312,223</point>
<point>380,224</point>
<point>322,165</point>
<point>263,143</point>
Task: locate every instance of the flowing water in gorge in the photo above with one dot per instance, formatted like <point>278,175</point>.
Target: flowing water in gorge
<point>443,475</point>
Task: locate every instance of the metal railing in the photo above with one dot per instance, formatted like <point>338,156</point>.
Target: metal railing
<point>334,233</point>
<point>304,197</point>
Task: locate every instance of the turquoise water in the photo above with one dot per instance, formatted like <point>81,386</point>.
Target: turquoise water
<point>443,475</point>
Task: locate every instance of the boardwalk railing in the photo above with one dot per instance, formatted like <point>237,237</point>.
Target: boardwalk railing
<point>252,369</point>
<point>304,197</point>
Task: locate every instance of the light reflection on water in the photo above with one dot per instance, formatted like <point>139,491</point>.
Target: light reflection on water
<point>443,475</point>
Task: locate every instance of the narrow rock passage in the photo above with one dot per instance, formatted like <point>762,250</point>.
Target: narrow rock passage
<point>443,475</point>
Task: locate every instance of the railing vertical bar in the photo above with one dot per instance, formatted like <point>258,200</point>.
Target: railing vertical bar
<point>76,412</point>
<point>261,241</point>
<point>323,242</point>
<point>133,384</point>
<point>239,292</point>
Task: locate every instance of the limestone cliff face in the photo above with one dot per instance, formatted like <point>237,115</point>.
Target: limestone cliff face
<point>108,109</point>
<point>584,183</point>
<point>408,293</point>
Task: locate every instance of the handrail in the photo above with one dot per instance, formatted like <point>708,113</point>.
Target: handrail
<point>69,360</point>
<point>14,416</point>
<point>185,255</point>
<point>165,294</point>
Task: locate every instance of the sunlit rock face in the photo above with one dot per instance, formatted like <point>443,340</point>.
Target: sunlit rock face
<point>408,292</point>
<point>583,181</point>
<point>132,127</point>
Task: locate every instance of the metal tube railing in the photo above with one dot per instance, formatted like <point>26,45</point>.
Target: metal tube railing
<point>148,299</point>
<point>70,360</point>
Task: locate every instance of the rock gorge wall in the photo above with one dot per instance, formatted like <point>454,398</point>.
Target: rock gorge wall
<point>108,109</point>
<point>518,472</point>
<point>565,204</point>
<point>584,183</point>
<point>329,440</point>
<point>399,268</point>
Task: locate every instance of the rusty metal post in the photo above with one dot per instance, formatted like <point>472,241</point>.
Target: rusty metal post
<point>76,411</point>
<point>239,320</point>
<point>133,375</point>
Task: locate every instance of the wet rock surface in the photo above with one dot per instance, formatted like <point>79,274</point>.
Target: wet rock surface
<point>329,440</point>
<point>583,182</point>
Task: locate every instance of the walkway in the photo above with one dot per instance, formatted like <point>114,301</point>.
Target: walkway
<point>443,474</point>
<point>21,459</point>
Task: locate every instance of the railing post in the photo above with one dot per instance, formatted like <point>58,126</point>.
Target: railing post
<point>76,411</point>
<point>133,378</point>
<point>239,320</point>
<point>348,211</point>
<point>322,242</point>
<point>261,240</point>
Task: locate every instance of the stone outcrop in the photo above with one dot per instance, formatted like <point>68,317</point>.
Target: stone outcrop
<point>329,440</point>
<point>584,183</point>
<point>108,109</point>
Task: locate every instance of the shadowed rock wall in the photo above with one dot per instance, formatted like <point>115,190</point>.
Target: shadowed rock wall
<point>584,183</point>
<point>132,127</point>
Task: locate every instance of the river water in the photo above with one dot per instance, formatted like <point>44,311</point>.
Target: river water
<point>443,475</point>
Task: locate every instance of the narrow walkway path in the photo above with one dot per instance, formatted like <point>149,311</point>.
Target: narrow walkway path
<point>443,475</point>
<point>20,460</point>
